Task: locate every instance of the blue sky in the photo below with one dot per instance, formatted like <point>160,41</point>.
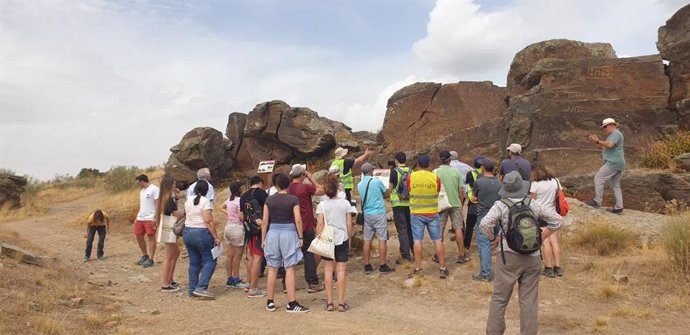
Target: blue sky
<point>95,83</point>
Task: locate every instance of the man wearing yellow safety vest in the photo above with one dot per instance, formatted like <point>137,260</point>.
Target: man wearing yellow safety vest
<point>424,188</point>
<point>401,207</point>
<point>346,166</point>
<point>471,220</point>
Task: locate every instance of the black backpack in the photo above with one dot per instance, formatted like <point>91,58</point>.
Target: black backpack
<point>401,189</point>
<point>523,233</point>
<point>252,212</point>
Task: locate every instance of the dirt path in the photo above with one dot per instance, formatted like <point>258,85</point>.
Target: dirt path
<point>380,303</point>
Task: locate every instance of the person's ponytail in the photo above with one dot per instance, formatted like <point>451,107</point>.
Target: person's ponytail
<point>196,199</point>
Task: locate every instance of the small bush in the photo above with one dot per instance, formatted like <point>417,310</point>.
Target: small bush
<point>121,178</point>
<point>659,154</point>
<point>89,173</point>
<point>675,237</point>
<point>605,239</point>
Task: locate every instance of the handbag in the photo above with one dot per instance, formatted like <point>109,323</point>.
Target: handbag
<point>360,216</point>
<point>561,204</point>
<point>443,202</point>
<point>324,245</point>
<point>178,227</point>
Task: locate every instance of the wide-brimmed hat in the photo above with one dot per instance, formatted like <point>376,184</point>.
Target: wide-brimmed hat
<point>608,121</point>
<point>513,186</point>
<point>340,152</point>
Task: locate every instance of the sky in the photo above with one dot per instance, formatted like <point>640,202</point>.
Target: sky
<point>101,83</point>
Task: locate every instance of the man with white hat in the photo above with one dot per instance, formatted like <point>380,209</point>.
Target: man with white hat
<point>346,166</point>
<point>515,162</point>
<point>523,269</point>
<point>614,164</point>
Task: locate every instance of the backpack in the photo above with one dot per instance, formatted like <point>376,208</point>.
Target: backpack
<point>523,233</point>
<point>401,189</point>
<point>252,212</point>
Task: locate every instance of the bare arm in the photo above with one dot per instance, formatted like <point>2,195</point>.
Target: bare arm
<point>264,225</point>
<point>224,208</point>
<point>361,159</point>
<point>319,187</point>
<point>207,215</point>
<point>319,224</point>
<point>298,223</point>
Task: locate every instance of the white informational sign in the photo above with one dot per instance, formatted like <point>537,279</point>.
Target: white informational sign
<point>266,166</point>
<point>383,175</point>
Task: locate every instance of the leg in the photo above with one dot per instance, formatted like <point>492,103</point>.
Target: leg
<point>165,270</point>
<point>440,252</point>
<point>139,232</point>
<point>617,192</point>
<point>600,179</point>
<point>402,225</point>
<point>410,237</point>
<point>484,248</point>
<point>271,282</point>
<point>89,242</point>
<point>381,228</point>
<point>436,235</point>
<point>443,219</point>
<point>142,244</point>
<point>456,218</point>
<point>341,267</point>
<point>309,262</point>
<point>368,230</point>
<point>547,252</point>
<point>418,254</point>
<point>190,240</point>
<point>383,249</point>
<point>152,245</point>
<point>229,256</point>
<point>556,247</point>
<point>469,229</point>
<point>366,252</point>
<point>328,279</point>
<point>528,290</point>
<point>254,271</point>
<point>289,282</point>
<point>503,289</point>
<point>208,263</point>
<point>417,226</point>
<point>236,260</point>
<point>101,241</point>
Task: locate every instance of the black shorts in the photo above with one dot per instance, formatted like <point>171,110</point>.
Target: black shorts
<point>341,252</point>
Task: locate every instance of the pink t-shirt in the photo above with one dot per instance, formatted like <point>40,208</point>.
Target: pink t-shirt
<point>233,208</point>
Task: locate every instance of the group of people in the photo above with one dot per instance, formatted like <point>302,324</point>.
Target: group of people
<point>422,199</point>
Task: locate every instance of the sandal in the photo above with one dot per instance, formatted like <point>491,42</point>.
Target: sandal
<point>329,307</point>
<point>343,307</point>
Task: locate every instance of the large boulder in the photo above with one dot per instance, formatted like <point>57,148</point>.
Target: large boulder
<point>567,99</point>
<point>423,114</point>
<point>275,131</point>
<point>234,131</point>
<point>650,191</point>
<point>200,147</point>
<point>524,61</point>
<point>682,161</point>
<point>674,46</point>
<point>11,189</point>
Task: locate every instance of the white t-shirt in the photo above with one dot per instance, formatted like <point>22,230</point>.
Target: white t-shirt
<point>210,194</point>
<point>148,197</point>
<point>546,192</point>
<point>271,191</point>
<point>195,218</point>
<point>335,212</point>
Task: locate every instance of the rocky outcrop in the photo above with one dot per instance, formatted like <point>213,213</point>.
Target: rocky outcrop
<point>200,147</point>
<point>682,161</point>
<point>11,189</point>
<point>427,117</point>
<point>567,99</point>
<point>525,60</point>
<point>641,191</point>
<point>234,131</point>
<point>674,45</point>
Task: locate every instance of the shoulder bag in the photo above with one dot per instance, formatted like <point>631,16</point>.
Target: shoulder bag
<point>360,216</point>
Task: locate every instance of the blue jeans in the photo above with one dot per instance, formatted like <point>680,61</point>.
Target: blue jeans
<point>199,243</point>
<point>484,248</point>
<point>431,223</point>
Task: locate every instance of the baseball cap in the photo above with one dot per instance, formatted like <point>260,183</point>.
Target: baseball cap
<point>400,157</point>
<point>423,161</point>
<point>514,148</point>
<point>367,167</point>
<point>444,155</point>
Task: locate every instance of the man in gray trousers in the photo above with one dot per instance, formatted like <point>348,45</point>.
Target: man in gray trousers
<point>614,164</point>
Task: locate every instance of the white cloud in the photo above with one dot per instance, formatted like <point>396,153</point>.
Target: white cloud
<point>476,44</point>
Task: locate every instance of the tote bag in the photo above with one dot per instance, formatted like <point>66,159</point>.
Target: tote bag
<point>443,202</point>
<point>165,232</point>
<point>324,244</point>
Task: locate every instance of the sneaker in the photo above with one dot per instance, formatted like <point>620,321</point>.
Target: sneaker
<point>618,211</point>
<point>368,269</point>
<point>241,284</point>
<point>558,271</point>
<point>313,288</point>
<point>256,293</point>
<point>462,259</point>
<point>295,307</point>
<point>386,269</point>
<point>415,272</point>
<point>591,204</point>
<point>203,293</point>
<point>270,306</point>
<point>435,259</point>
<point>549,272</point>
<point>148,263</point>
<point>86,259</point>
<point>478,277</point>
<point>101,258</point>
<point>174,284</point>
<point>142,259</point>
<point>230,283</point>
<point>444,273</point>
<point>169,289</point>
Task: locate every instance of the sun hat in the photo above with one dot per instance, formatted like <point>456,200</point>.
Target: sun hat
<point>340,153</point>
<point>608,121</point>
<point>453,155</point>
<point>514,148</point>
<point>513,186</point>
<point>334,169</point>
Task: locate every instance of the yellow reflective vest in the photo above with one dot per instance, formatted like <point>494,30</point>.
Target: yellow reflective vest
<point>423,193</point>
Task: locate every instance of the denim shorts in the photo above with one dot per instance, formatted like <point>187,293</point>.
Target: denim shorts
<point>419,222</point>
<point>282,246</point>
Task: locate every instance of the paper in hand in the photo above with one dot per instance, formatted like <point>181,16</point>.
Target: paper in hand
<point>217,251</point>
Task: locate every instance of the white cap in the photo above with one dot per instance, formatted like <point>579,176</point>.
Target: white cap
<point>514,148</point>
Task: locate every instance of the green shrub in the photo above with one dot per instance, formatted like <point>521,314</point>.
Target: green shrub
<point>675,237</point>
<point>606,239</point>
<point>120,178</point>
<point>89,173</point>
<point>659,154</point>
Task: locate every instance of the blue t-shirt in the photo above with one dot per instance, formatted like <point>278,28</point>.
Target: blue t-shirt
<point>614,157</point>
<point>516,164</point>
<point>375,204</point>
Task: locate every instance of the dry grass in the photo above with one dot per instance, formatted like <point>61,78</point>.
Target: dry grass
<point>659,154</point>
<point>601,323</point>
<point>675,237</point>
<point>633,312</point>
<point>607,291</point>
<point>604,238</point>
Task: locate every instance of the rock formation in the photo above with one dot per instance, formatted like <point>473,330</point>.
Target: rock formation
<point>11,189</point>
<point>200,147</point>
<point>674,45</point>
